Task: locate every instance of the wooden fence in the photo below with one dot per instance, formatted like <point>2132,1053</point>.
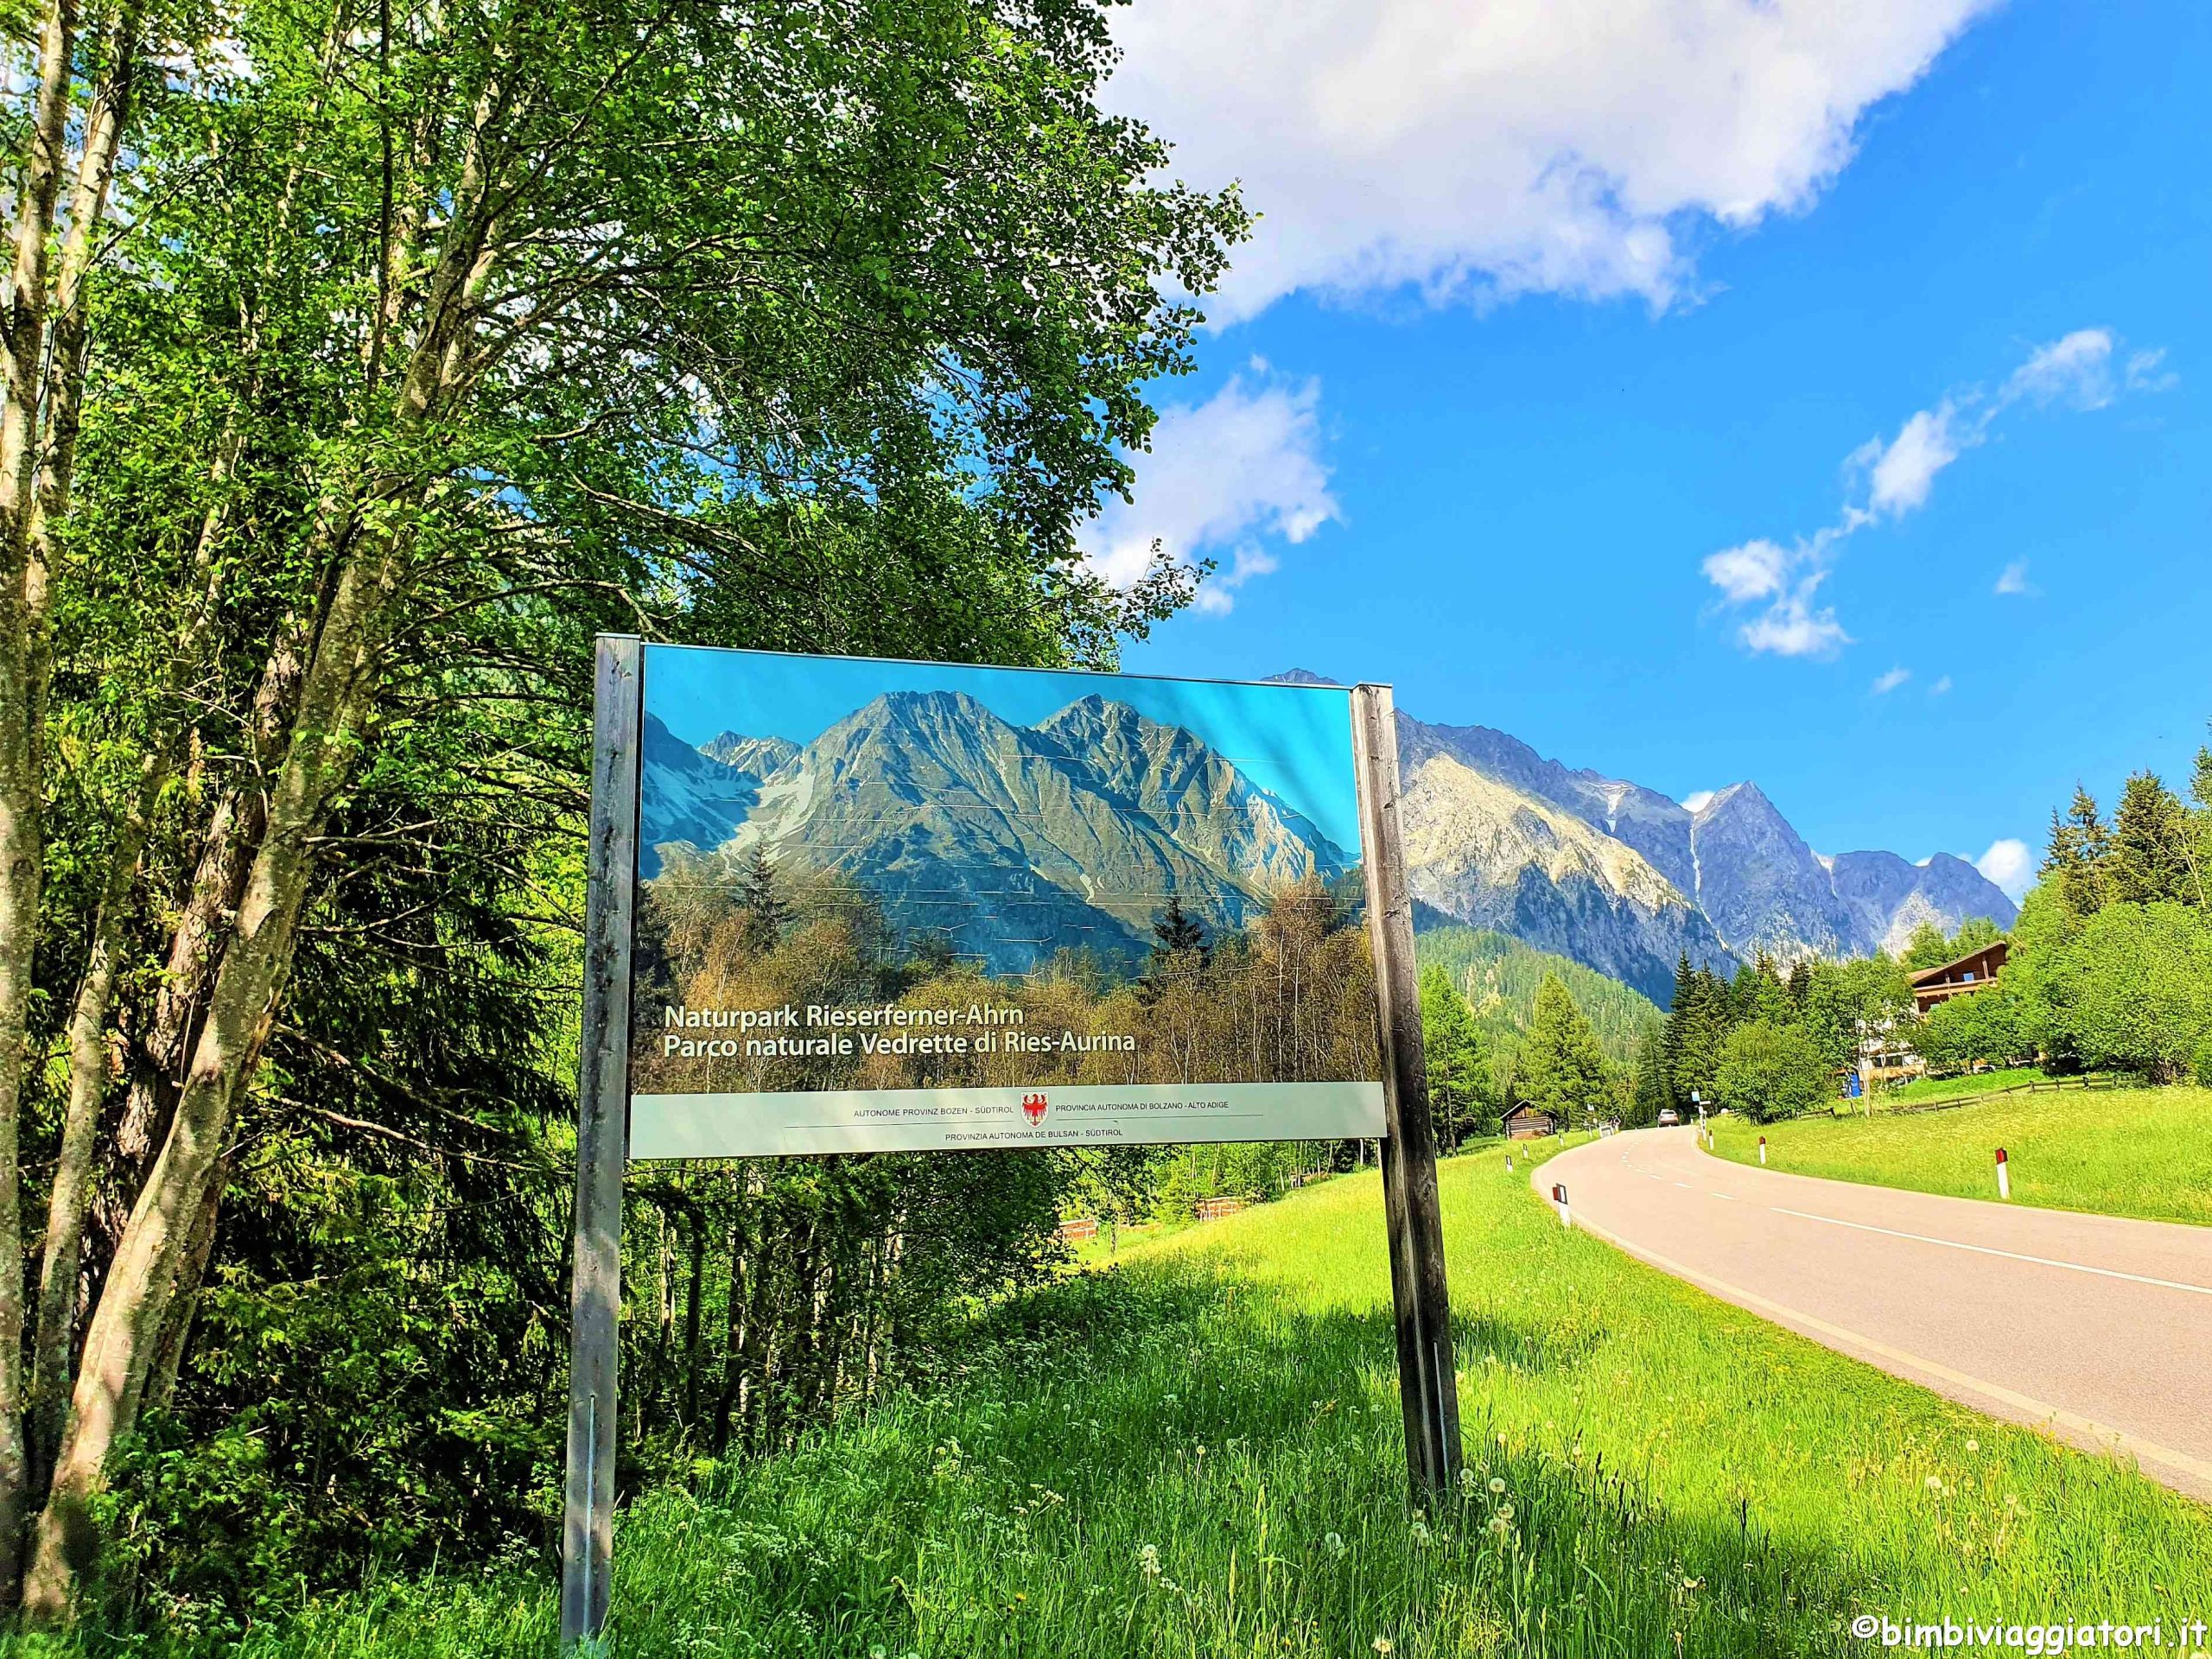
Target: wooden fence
<point>2047,1085</point>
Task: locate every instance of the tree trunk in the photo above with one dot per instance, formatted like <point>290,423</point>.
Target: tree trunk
<point>67,1204</point>
<point>218,887</point>
<point>174,1337</point>
<point>126,1325</point>
<point>695,1220</point>
<point>25,663</point>
<point>63,1260</point>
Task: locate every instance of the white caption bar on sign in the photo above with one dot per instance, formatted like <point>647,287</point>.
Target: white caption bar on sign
<point>969,1120</point>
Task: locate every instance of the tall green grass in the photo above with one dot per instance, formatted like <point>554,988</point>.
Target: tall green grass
<point>1198,1453</point>
<point>2145,1152</point>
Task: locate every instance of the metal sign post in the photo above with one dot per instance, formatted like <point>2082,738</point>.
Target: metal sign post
<point>1427,1379</point>
<point>611,862</point>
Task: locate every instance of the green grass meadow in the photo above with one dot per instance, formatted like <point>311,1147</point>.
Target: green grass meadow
<point>1198,1453</point>
<point>2145,1152</point>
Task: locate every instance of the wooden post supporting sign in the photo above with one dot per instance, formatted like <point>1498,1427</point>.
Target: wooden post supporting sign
<point>1427,1379</point>
<point>602,1096</point>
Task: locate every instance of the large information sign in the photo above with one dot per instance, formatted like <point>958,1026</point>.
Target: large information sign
<point>842,905</point>
<point>899,907</point>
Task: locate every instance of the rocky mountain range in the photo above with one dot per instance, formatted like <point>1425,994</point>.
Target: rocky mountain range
<point>1009,840</point>
<point>1624,879</point>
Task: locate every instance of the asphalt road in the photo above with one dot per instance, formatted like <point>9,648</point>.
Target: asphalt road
<point>2096,1327</point>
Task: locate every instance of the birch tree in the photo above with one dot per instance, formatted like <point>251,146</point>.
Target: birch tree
<point>445,329</point>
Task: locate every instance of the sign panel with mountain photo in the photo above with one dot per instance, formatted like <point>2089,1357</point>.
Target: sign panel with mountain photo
<point>886,906</point>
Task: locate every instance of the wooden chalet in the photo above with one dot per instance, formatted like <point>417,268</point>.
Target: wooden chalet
<point>1528,1123</point>
<point>1974,971</point>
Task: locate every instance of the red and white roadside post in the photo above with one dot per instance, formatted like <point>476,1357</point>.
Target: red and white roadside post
<point>2004,1179</point>
<point>1762,1152</point>
<point>1559,1202</point>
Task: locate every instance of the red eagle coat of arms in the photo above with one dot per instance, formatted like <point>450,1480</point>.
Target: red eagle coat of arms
<point>1033,1108</point>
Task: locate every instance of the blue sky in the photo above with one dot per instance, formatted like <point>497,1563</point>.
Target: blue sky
<point>1293,741</point>
<point>1817,395</point>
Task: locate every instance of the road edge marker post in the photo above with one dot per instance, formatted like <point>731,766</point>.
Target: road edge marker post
<point>603,1137</point>
<point>2004,1177</point>
<point>1559,1202</point>
<point>1762,1152</point>
<point>1428,1386</point>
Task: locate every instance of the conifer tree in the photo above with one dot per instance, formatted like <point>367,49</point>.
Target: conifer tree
<point>1653,1088</point>
<point>1178,949</point>
<point>2080,845</point>
<point>762,907</point>
<point>1704,1026</point>
<point>1458,1060</point>
<point>1801,983</point>
<point>1176,931</point>
<point>1674,1029</point>
<point>1565,1072</point>
<point>2149,861</point>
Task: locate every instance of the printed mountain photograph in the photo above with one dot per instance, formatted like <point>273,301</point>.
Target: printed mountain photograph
<point>1159,880</point>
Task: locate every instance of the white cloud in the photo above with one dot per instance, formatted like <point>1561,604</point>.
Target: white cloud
<point>1788,578</point>
<point>1885,684</point>
<point>1698,800</point>
<point>1941,687</point>
<point>2075,371</point>
<point>1216,596</point>
<point>2146,371</point>
<point>1226,477</point>
<point>1490,148</point>
<point>1755,570</point>
<point>1900,473</point>
<point>2014,580</point>
<point>1887,478</point>
<point>1792,627</point>
<point>2010,866</point>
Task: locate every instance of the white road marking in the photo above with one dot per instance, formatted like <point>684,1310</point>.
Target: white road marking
<point>2014,1255</point>
<point>1685,1186</point>
<point>1731,1196</point>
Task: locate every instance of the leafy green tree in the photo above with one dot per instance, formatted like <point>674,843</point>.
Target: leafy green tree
<point>1849,1001</point>
<point>1565,1071</point>
<point>1458,1063</point>
<point>1929,947</point>
<point>1987,1025</point>
<point>2040,973</point>
<point>2141,996</point>
<point>1770,1071</point>
<point>473,332</point>
<point>1974,933</point>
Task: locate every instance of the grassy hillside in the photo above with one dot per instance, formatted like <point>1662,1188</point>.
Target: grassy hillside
<point>1198,1454</point>
<point>2124,1151</point>
<point>1498,975</point>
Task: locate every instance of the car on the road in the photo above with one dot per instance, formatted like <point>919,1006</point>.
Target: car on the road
<point>1669,1117</point>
